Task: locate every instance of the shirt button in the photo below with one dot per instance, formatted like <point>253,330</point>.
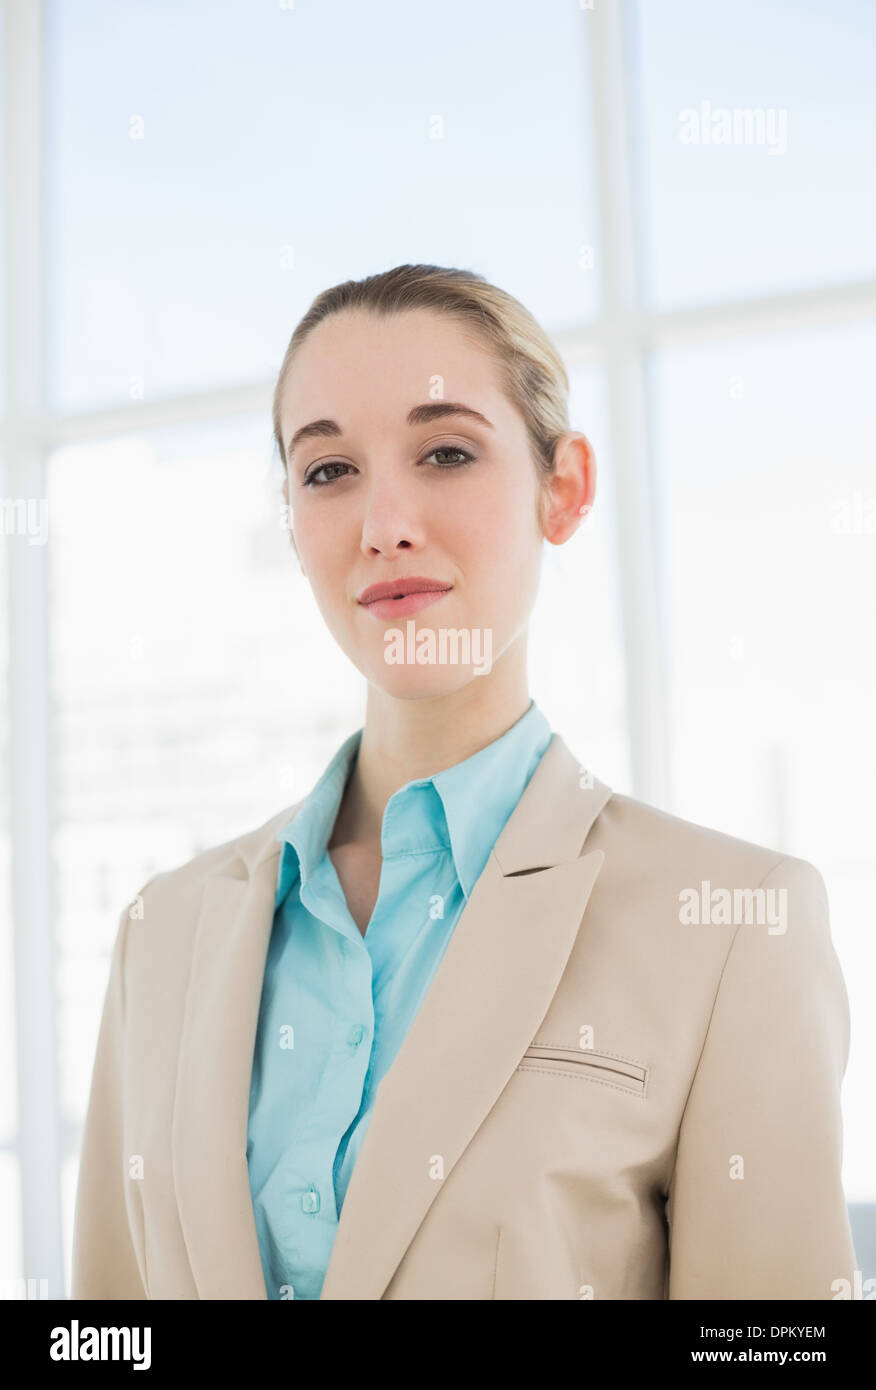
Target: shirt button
<point>310,1199</point>
<point>355,1035</point>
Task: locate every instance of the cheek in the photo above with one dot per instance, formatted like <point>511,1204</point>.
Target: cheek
<point>316,540</point>
<point>497,527</point>
<point>479,496</point>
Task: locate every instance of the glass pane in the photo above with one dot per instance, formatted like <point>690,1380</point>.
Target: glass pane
<point>769,516</point>
<point>576,649</point>
<point>9,535</point>
<point>69,1181</point>
<point>3,216</point>
<point>11,1254</point>
<point>789,200</point>
<point>212,167</point>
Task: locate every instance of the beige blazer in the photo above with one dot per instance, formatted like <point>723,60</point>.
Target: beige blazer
<point>690,1149</point>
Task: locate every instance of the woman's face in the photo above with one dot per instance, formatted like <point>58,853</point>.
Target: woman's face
<point>377,494</point>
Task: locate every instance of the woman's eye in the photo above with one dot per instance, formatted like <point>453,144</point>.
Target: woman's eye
<point>465,456</point>
<point>309,481</point>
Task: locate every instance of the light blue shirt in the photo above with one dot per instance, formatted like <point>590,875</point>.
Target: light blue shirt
<point>335,1005</point>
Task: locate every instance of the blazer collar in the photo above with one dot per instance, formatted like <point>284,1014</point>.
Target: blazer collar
<point>462,1047</point>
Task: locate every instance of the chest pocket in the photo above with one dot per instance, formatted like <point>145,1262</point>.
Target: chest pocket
<point>584,1065</point>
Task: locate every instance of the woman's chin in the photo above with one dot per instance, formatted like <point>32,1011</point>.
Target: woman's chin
<point>415,682</point>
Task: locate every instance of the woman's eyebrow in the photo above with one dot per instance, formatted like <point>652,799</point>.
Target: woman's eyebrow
<point>417,415</point>
<point>422,414</point>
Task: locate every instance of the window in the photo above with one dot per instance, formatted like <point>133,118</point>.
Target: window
<point>205,173</point>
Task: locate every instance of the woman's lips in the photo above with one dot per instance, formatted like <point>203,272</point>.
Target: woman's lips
<point>388,608</point>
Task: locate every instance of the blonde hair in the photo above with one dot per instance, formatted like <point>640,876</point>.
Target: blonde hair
<point>531,369</point>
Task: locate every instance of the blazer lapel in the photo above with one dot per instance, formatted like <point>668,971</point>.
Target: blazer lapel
<point>211,1107</point>
<point>491,991</point>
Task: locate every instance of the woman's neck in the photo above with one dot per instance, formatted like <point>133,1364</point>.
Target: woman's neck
<point>403,740</point>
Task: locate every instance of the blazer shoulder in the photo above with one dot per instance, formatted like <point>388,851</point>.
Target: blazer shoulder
<point>655,836</point>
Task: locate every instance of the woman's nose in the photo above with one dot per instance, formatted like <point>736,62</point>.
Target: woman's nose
<point>391,519</point>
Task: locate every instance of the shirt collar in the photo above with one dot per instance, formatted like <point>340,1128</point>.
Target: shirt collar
<point>474,800</point>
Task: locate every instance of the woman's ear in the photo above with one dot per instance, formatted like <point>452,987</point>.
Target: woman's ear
<point>572,487</point>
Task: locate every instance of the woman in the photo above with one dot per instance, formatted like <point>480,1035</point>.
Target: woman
<point>463,1023</point>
